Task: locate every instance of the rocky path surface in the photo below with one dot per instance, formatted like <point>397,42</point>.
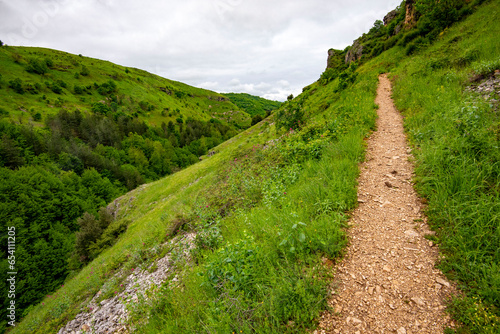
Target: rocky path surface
<point>387,282</point>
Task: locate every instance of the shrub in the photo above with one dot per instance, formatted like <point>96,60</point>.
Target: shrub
<point>49,62</point>
<point>78,89</point>
<point>37,66</point>
<point>256,119</point>
<point>85,71</point>
<point>55,88</point>
<point>107,88</point>
<point>91,230</point>
<point>100,108</point>
<point>17,85</point>
<point>328,75</point>
<point>416,45</point>
<point>3,112</point>
<point>290,117</point>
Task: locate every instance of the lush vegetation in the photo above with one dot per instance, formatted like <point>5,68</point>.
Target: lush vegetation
<point>269,209</point>
<point>455,133</point>
<point>255,106</point>
<point>76,133</point>
<point>291,183</point>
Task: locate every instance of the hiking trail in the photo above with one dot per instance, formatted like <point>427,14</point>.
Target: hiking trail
<point>387,282</point>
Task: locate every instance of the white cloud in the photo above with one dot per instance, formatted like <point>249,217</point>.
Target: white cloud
<point>207,43</point>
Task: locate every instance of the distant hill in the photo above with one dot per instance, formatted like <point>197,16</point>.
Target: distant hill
<point>253,105</point>
<point>43,81</point>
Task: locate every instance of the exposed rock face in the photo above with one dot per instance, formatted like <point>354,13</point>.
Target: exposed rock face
<point>390,16</point>
<point>111,315</point>
<point>410,18</point>
<point>354,53</point>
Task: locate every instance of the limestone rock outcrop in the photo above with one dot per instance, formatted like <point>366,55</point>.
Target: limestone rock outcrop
<point>354,53</point>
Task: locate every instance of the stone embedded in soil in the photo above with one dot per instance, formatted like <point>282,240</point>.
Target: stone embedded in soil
<point>418,301</point>
<point>385,249</point>
<point>442,282</point>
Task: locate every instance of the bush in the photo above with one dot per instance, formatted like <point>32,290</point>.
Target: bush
<point>17,85</point>
<point>328,75</point>
<point>78,89</point>
<point>441,14</point>
<point>107,88</point>
<point>3,112</point>
<point>256,119</point>
<point>55,88</point>
<point>290,117</point>
<point>85,71</point>
<point>100,108</point>
<point>37,66</point>
<point>416,45</point>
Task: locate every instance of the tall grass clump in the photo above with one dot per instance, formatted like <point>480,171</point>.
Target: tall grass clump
<point>455,134</point>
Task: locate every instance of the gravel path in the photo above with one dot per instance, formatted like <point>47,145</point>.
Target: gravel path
<point>387,282</point>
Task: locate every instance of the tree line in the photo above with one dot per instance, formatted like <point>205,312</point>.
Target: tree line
<point>77,163</point>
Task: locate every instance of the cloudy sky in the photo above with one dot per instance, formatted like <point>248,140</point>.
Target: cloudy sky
<point>270,48</point>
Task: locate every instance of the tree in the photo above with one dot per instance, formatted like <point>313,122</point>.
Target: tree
<point>100,108</point>
<point>1,43</point>
<point>441,13</point>
<point>10,153</point>
<point>256,119</point>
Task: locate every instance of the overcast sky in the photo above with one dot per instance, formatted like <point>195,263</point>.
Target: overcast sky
<point>269,48</point>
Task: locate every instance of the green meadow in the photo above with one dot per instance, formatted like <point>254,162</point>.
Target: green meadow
<point>270,207</point>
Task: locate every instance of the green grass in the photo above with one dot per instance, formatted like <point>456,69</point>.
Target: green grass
<point>162,100</point>
<point>309,177</point>
<point>455,136</point>
<point>284,209</point>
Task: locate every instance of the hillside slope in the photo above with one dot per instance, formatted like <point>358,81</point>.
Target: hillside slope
<point>253,105</point>
<point>40,81</point>
<point>77,132</point>
<point>267,211</point>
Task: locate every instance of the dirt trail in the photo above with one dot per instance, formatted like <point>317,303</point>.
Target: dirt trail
<point>387,283</point>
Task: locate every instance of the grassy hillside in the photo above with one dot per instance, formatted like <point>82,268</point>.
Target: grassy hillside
<point>269,209</point>
<point>294,189</point>
<point>77,132</point>
<point>45,80</point>
<point>253,105</point>
<point>455,132</point>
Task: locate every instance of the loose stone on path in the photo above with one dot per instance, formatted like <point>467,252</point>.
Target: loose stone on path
<point>402,291</point>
